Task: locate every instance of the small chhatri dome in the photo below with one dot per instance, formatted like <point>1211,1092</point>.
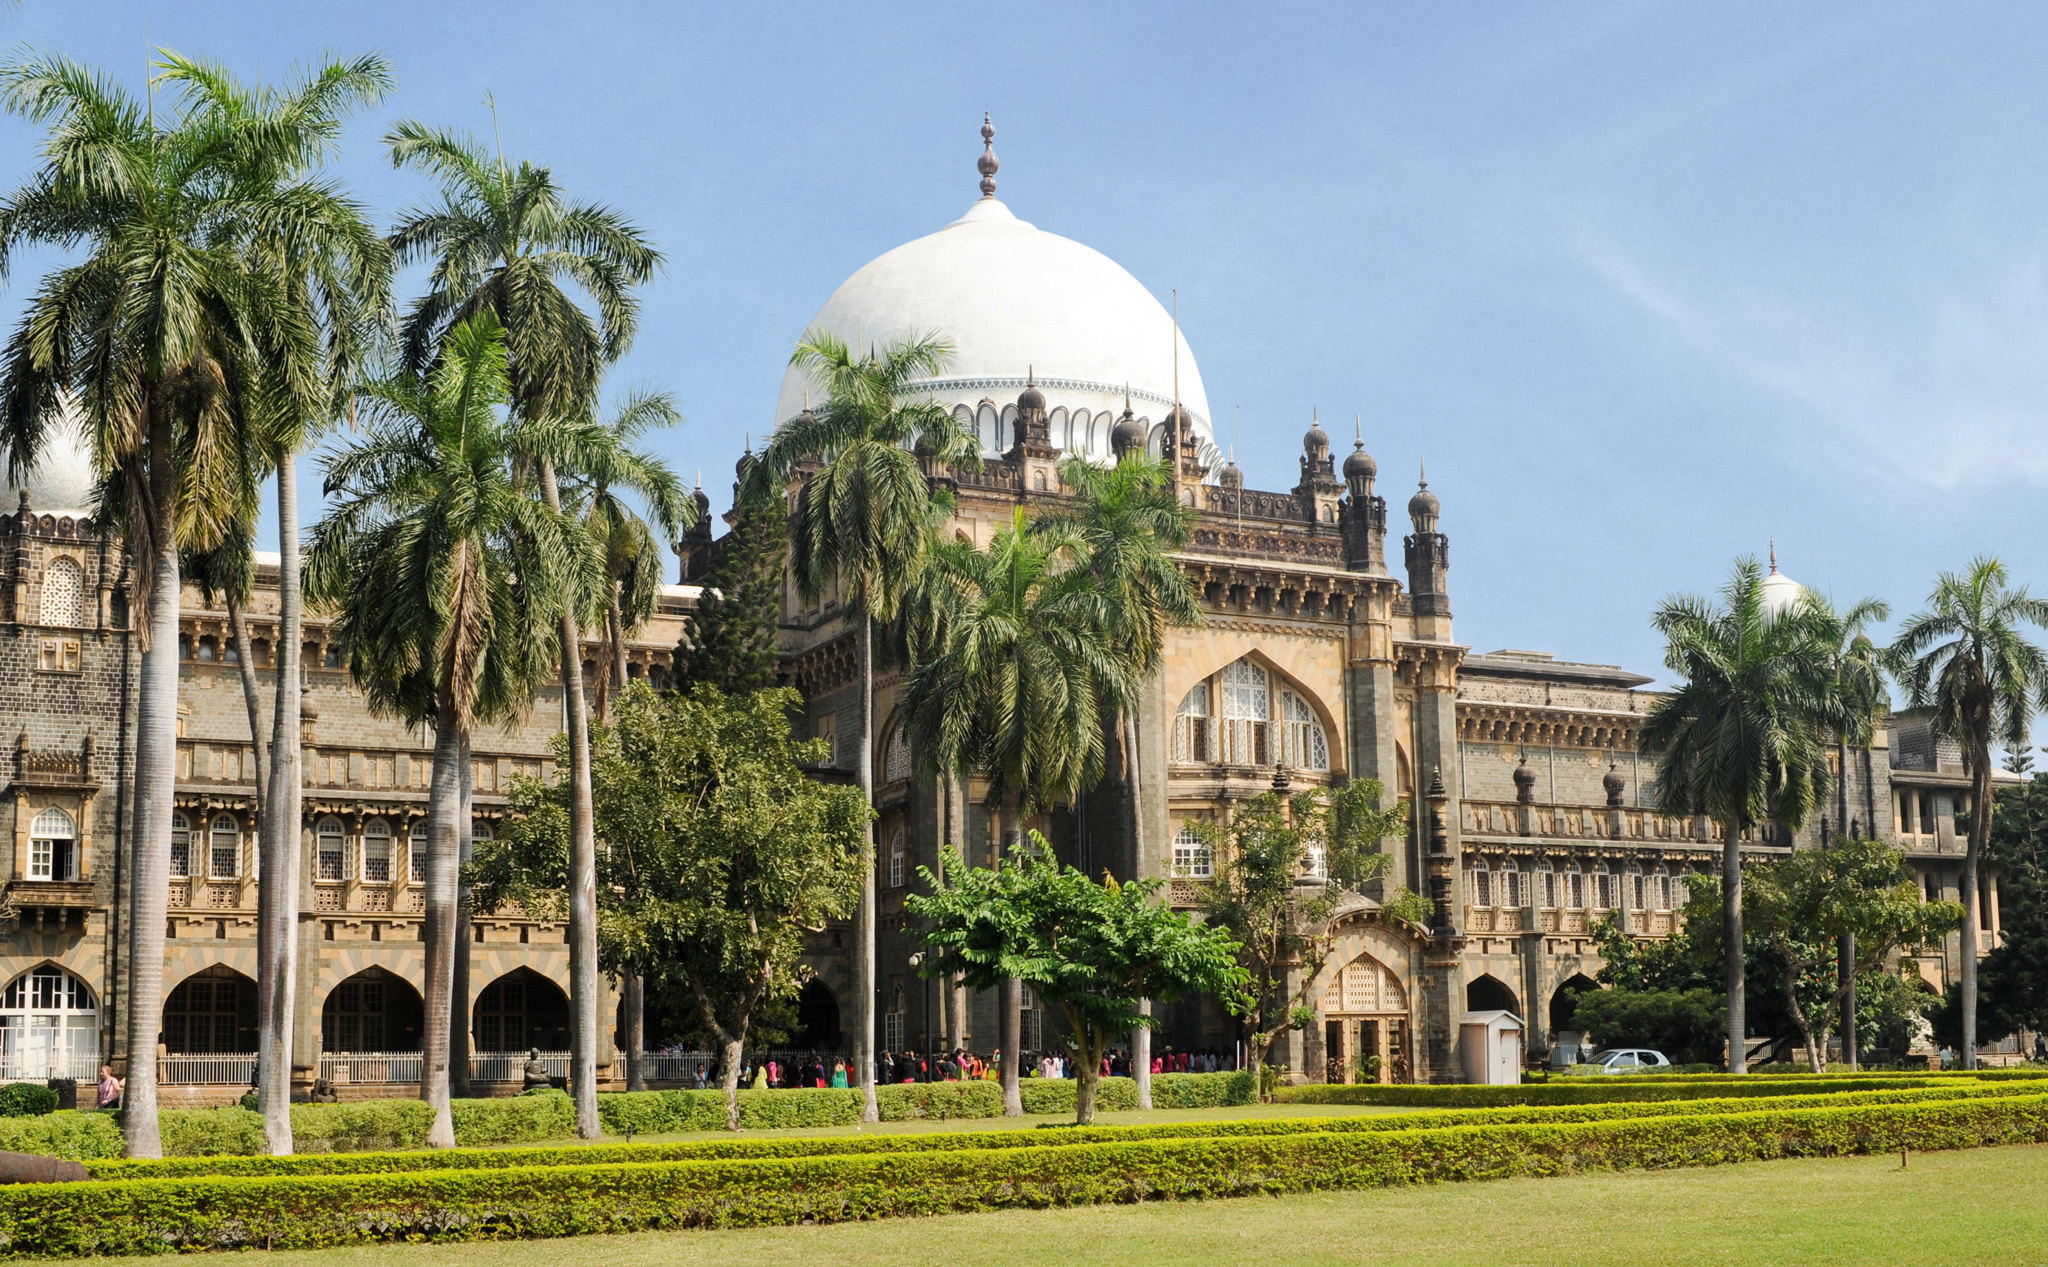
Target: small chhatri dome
<point>1424,505</point>
<point>1031,397</point>
<point>1129,434</point>
<point>1360,466</point>
<point>987,163</point>
<point>1315,442</point>
<point>1229,476</point>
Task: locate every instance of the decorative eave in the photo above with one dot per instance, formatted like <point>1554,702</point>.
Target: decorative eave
<point>1481,721</point>
<point>1304,592</point>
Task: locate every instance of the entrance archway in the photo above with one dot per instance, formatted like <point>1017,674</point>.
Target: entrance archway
<point>817,1018</point>
<point>1365,1016</point>
<point>1565,1002</point>
<point>49,1027</point>
<point>372,1011</point>
<point>518,1011</point>
<point>213,1011</point>
<point>1489,994</point>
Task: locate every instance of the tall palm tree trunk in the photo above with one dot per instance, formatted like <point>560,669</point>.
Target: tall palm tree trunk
<point>583,984</point>
<point>635,984</point>
<point>1141,1035</point>
<point>238,637</point>
<point>156,772</point>
<point>1731,934</point>
<point>1010,827</point>
<point>864,917</point>
<point>955,985</point>
<point>1845,960</point>
<point>461,1028</point>
<point>1973,861</point>
<point>277,919</point>
<point>444,804</point>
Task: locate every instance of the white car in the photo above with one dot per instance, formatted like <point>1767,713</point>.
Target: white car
<point>1628,1060</point>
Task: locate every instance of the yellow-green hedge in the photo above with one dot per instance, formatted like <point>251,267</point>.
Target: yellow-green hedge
<point>80,1136</point>
<point>368,1125</point>
<point>740,1147</point>
<point>304,1212</point>
<point>1586,1090</point>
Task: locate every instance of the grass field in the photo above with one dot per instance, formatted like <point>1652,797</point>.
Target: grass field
<point>1985,1205</point>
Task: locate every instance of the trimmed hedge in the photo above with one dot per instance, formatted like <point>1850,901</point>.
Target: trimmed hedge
<point>369,1125</point>
<point>734,1147</point>
<point>1581,1091</point>
<point>306,1212</point>
<point>27,1099</point>
<point>76,1136</point>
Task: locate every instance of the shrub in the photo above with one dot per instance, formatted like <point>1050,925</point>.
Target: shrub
<point>26,1099</point>
<point>1201,1090</point>
<point>305,1212</point>
<point>1585,1090</point>
<point>1686,1025</point>
<point>78,1136</point>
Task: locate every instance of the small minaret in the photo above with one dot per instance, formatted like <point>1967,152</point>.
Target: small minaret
<point>1363,516</point>
<point>1428,556</point>
<point>1033,455</point>
<point>1318,490</point>
<point>1128,436</point>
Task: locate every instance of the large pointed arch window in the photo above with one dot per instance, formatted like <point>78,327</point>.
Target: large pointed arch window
<point>1191,738</point>
<point>1247,714</point>
<point>1306,746</point>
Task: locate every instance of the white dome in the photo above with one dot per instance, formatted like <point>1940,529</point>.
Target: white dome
<point>1016,301</point>
<point>1780,592</point>
<point>61,482</point>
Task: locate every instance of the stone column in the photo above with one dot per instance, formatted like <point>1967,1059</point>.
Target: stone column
<point>1440,991</point>
<point>1370,706</point>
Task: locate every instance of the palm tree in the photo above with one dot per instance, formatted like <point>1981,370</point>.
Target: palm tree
<point>446,577</point>
<point>605,468</point>
<point>1128,521</point>
<point>505,240</point>
<point>333,273</point>
<point>157,327</point>
<point>1015,658</point>
<point>1859,686</point>
<point>1740,740</point>
<point>1966,663</point>
<point>863,519</point>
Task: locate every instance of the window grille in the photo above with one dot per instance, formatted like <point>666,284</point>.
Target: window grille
<point>331,847</point>
<point>225,848</point>
<point>63,593</point>
<point>1307,747</point>
<point>897,858</point>
<point>896,760</point>
<point>1575,890</point>
<point>376,852</point>
<point>1512,890</point>
<point>1482,887</point>
<point>1247,714</point>
<point>416,853</point>
<point>1191,725</point>
<point>181,846</point>
<point>1192,857</point>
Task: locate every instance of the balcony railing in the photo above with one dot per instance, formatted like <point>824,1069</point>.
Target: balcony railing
<point>38,1066</point>
<point>341,1067</point>
<point>510,1066</point>
<point>1592,822</point>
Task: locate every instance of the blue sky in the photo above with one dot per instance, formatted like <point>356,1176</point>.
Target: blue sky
<point>1646,284</point>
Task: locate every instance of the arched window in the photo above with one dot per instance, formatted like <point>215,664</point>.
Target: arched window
<point>1247,713</point>
<point>898,858</point>
<point>1606,890</point>
<point>63,592</point>
<point>896,757</point>
<point>181,845</point>
<point>330,850</point>
<point>49,1026</point>
<point>416,851</point>
<point>1575,888</point>
<point>1307,747</point>
<point>376,852</point>
<point>1482,885</point>
<point>224,848</point>
<point>1192,857</point>
<point>1191,726</point>
<point>213,1010</point>
<point>53,846</point>
<point>1514,890</point>
<point>1546,884</point>
<point>1669,893</point>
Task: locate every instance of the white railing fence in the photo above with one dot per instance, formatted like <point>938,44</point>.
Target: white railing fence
<point>214,1069</point>
<point>37,1066</point>
<point>370,1066</point>
<point>510,1066</point>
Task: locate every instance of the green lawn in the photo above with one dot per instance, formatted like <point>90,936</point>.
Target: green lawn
<point>1980,1206</point>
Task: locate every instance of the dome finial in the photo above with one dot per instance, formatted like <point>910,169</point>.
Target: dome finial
<point>1422,471</point>
<point>1774,555</point>
<point>987,163</point>
<point>1358,430</point>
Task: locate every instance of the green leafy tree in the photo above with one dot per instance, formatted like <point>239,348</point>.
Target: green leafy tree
<point>446,578</point>
<point>862,521</point>
<point>153,335</point>
<point>1013,660</point>
<point>2013,978</point>
<point>1858,892</point>
<point>1281,870</point>
<point>1965,662</point>
<point>506,240</point>
<point>1741,738</point>
<point>1686,1025</point>
<point>721,852</point>
<point>1892,1009</point>
<point>1092,950</point>
<point>730,640</point>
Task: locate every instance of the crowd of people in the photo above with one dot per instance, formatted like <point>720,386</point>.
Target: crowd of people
<point>960,1065</point>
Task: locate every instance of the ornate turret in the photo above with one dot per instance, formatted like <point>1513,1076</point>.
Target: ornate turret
<point>1033,453</point>
<point>1318,490</point>
<point>1229,476</point>
<point>1428,556</point>
<point>1363,516</point>
<point>1129,434</point>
